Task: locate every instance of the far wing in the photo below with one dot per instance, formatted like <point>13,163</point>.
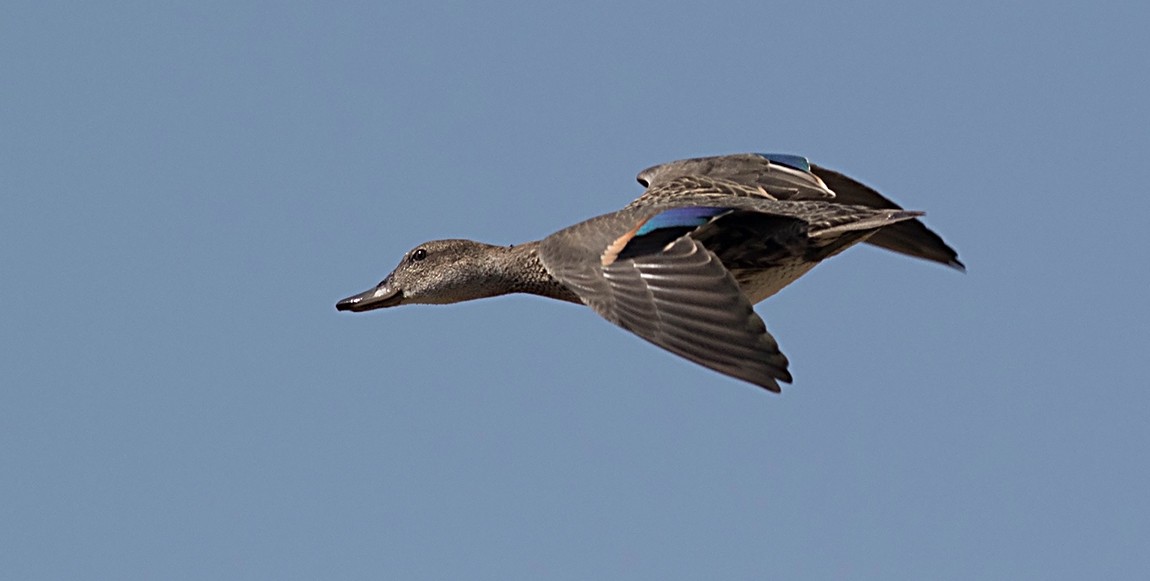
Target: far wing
<point>791,178</point>
<point>781,176</point>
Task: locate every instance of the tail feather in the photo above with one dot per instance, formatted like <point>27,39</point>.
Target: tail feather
<point>873,222</point>
<point>836,239</point>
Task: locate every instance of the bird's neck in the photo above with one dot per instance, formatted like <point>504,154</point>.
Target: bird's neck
<point>520,270</point>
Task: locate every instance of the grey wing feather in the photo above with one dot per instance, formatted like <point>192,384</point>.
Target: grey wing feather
<point>682,299</point>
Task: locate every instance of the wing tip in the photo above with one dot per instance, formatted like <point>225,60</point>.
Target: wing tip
<point>771,385</point>
<point>769,377</point>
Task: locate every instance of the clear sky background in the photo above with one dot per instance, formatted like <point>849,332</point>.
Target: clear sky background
<point>187,189</point>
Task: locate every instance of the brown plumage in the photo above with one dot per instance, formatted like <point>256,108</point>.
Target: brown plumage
<point>682,265</point>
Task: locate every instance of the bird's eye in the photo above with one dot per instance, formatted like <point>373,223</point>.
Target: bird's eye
<point>418,255</point>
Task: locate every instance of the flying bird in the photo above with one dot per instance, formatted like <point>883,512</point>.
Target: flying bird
<point>682,265</point>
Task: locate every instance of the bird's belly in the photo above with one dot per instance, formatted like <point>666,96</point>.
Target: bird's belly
<point>760,283</point>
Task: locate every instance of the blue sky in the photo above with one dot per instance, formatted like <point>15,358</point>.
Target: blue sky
<point>189,188</point>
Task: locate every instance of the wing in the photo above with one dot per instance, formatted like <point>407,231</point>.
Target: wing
<point>679,297</point>
<point>791,178</point>
<point>781,176</point>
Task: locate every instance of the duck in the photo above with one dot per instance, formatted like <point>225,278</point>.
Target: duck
<point>682,265</point>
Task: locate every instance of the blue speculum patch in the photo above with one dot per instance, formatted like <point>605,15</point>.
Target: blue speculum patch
<point>689,217</point>
<point>653,235</point>
<point>792,161</point>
